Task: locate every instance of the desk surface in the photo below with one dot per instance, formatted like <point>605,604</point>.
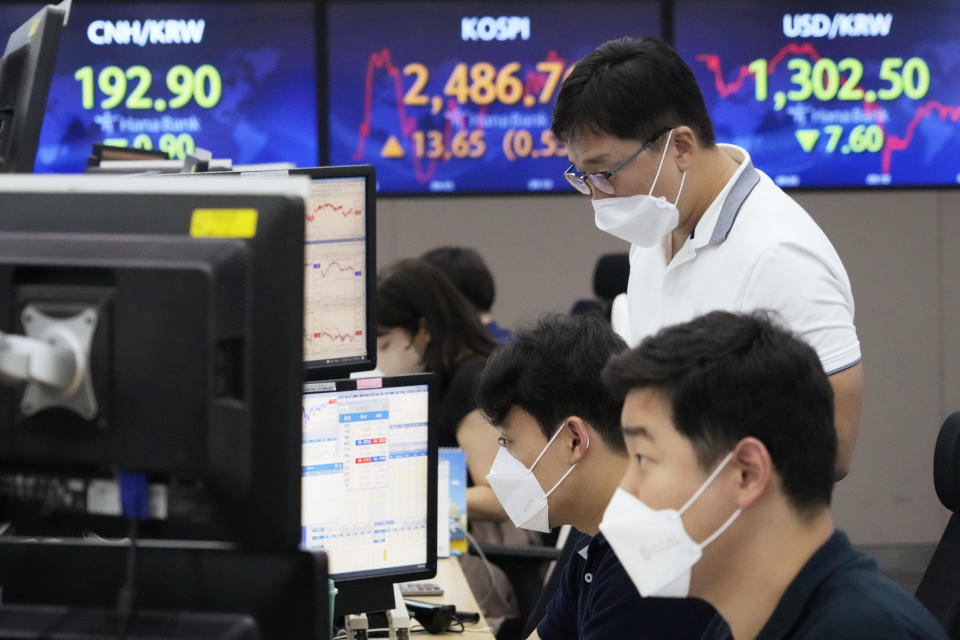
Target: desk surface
<point>457,592</point>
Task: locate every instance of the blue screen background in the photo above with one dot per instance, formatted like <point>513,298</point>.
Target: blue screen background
<point>922,137</point>
<point>363,36</point>
<point>265,53</point>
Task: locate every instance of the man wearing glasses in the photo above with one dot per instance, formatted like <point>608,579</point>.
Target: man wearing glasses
<point>708,231</point>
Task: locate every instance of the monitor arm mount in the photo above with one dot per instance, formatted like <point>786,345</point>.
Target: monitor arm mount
<point>53,359</point>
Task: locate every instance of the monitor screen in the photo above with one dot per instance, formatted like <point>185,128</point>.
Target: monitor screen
<point>466,109</point>
<point>339,263</point>
<point>863,97</point>
<point>369,480</point>
<point>174,310</point>
<point>237,79</point>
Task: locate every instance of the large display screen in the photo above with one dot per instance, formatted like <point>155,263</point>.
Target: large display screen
<point>457,97</point>
<point>237,79</point>
<point>821,97</point>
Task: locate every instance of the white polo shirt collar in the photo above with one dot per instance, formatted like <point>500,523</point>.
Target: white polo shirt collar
<point>716,222</point>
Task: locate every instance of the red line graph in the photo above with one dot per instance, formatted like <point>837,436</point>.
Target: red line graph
<point>408,125</point>
<point>726,89</point>
<point>891,142</point>
<point>341,337</point>
<point>346,212</point>
<point>534,82</point>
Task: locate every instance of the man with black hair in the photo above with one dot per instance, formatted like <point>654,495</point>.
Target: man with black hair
<point>466,268</point>
<point>561,457</point>
<point>707,230</point>
<point>731,417</point>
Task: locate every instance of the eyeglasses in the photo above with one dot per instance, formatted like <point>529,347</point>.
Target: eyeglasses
<point>585,183</point>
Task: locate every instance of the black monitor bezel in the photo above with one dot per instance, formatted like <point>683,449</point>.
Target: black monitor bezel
<point>317,369</point>
<point>373,590</point>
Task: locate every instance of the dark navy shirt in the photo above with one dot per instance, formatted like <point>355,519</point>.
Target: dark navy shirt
<point>840,594</point>
<point>596,600</point>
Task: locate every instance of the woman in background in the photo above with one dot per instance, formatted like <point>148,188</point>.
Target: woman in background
<point>425,324</point>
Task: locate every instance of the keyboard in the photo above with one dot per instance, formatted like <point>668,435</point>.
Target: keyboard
<point>420,589</point>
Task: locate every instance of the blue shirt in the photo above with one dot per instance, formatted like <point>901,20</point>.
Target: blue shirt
<point>839,593</point>
<point>498,333</point>
<point>596,600</point>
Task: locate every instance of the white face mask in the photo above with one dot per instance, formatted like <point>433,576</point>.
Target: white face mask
<point>642,219</point>
<point>518,490</point>
<point>653,546</point>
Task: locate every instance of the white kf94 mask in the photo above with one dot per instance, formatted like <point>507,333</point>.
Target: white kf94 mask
<point>642,219</point>
<point>518,490</point>
<point>652,545</point>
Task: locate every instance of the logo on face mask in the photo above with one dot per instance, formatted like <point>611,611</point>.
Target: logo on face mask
<point>649,551</point>
<point>652,545</point>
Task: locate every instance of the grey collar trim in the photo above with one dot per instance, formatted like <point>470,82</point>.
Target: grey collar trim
<point>739,192</point>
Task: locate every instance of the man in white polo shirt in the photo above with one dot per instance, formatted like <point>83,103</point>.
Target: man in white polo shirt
<point>708,230</point>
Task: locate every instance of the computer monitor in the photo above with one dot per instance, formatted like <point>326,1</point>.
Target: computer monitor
<point>69,590</point>
<point>26,70</point>
<point>370,484</point>
<point>339,269</point>
<point>190,297</point>
<point>340,266</point>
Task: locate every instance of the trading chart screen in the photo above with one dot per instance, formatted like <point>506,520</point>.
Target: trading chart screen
<point>339,256</point>
<point>866,96</point>
<point>365,477</point>
<point>335,271</point>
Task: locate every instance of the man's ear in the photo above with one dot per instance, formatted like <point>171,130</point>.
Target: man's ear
<point>578,437</point>
<point>684,141</point>
<point>754,469</point>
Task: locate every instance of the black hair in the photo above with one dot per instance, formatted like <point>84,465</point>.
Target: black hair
<point>551,370</point>
<point>466,268</point>
<point>728,376</point>
<point>411,290</point>
<point>631,88</point>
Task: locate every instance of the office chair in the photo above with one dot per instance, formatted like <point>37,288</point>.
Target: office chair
<point>610,275</point>
<point>939,589</point>
<point>534,572</point>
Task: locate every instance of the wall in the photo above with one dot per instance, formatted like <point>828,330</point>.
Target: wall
<point>897,250</point>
